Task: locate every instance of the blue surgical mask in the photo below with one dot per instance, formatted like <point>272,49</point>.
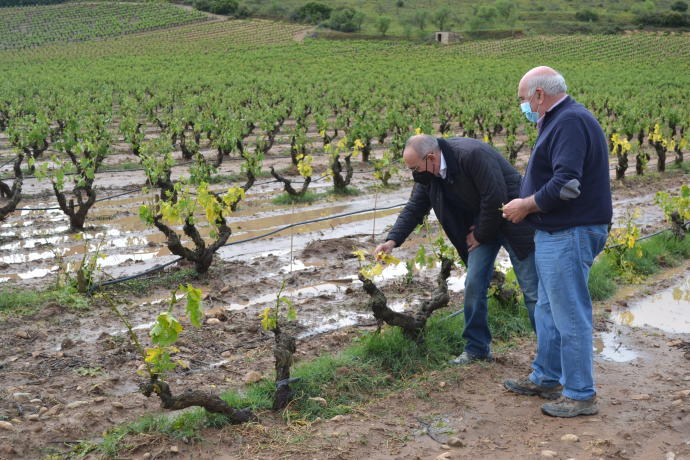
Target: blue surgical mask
<point>527,110</point>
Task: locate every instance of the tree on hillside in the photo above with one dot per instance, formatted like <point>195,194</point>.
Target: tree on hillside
<point>382,25</point>
<point>442,18</point>
<point>312,13</point>
<point>346,19</point>
<point>419,19</point>
<point>679,6</point>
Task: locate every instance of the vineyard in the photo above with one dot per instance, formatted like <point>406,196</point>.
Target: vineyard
<point>193,208</point>
<point>32,26</point>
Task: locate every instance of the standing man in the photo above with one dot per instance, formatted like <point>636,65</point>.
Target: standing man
<point>466,182</point>
<point>566,196</point>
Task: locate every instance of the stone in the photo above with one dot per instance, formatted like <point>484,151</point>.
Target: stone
<point>213,321</point>
<point>9,450</point>
<point>6,426</point>
<point>339,418</point>
<point>252,377</point>
<point>22,334</point>
<point>54,410</point>
<point>442,384</point>
<point>67,344</point>
<point>640,397</point>
<point>320,401</point>
<point>36,401</point>
<point>677,402</point>
<point>683,394</point>
<point>216,312</point>
<point>224,290</point>
<point>99,400</point>
<point>146,456</point>
<point>117,405</point>
<point>174,450</point>
<point>549,453</point>
<point>445,456</point>
<point>670,456</point>
<point>570,438</point>
<point>21,397</point>
<point>42,410</point>
<point>32,418</point>
<point>455,442</point>
<point>76,404</point>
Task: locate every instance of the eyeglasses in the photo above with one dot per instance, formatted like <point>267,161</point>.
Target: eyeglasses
<point>426,165</point>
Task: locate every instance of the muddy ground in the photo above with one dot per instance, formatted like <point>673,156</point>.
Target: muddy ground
<point>70,375</point>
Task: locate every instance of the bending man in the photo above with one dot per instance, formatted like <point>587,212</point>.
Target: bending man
<point>466,182</point>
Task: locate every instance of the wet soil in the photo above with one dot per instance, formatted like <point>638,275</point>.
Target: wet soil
<point>75,372</point>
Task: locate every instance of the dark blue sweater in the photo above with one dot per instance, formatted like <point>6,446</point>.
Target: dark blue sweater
<point>568,171</point>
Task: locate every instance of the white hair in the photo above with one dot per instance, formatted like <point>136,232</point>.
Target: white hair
<point>422,144</point>
<point>551,84</point>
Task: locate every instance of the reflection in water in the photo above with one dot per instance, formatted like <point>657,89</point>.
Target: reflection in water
<point>611,349</point>
<point>668,310</point>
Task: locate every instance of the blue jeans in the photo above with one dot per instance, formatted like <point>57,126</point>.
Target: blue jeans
<point>480,269</point>
<point>564,309</point>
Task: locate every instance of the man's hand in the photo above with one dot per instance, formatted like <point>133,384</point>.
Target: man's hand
<point>472,243</point>
<point>519,208</point>
<point>386,248</point>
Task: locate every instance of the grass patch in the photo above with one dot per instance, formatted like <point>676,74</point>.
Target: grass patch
<point>347,191</point>
<point>656,253</point>
<point>308,197</point>
<point>225,178</point>
<point>162,279</point>
<point>21,302</point>
<point>684,166</point>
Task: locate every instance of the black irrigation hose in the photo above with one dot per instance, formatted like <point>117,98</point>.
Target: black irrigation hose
<point>246,240</point>
<point>97,172</point>
<point>53,208</point>
<point>131,277</point>
<point>320,219</point>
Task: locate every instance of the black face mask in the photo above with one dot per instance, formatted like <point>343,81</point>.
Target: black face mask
<point>424,177</point>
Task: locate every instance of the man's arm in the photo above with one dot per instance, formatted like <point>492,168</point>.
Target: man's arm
<point>413,214</point>
<point>489,181</point>
<point>568,152</point>
<point>567,161</point>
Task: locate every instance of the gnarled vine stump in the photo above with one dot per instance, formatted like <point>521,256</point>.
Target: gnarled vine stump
<point>412,324</point>
<point>210,402</point>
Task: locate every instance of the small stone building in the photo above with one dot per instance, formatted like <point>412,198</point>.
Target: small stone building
<point>446,37</point>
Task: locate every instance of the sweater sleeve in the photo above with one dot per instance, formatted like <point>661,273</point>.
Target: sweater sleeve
<point>417,207</point>
<point>567,155</point>
<point>488,179</point>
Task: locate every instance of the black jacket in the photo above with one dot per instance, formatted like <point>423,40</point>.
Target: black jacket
<point>478,182</point>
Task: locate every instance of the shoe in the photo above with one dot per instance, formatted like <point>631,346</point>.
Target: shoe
<point>566,407</point>
<point>527,388</point>
<point>466,358</point>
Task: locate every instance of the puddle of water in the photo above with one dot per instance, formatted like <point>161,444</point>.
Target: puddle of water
<point>668,310</point>
<point>301,294</point>
<point>610,348</point>
<point>36,273</point>
<point>334,322</point>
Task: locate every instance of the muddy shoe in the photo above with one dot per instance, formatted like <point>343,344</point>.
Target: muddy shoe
<point>466,358</point>
<point>566,407</point>
<point>527,388</point>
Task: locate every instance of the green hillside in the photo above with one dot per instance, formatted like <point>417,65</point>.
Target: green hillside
<point>416,18</point>
<point>22,27</point>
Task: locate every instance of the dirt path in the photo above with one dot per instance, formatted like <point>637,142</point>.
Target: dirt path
<point>300,36</point>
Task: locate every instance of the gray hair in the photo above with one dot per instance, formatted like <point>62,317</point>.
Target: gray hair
<point>422,144</point>
<point>551,84</point>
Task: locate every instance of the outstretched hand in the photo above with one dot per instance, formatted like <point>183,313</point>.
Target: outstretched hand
<point>385,248</point>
